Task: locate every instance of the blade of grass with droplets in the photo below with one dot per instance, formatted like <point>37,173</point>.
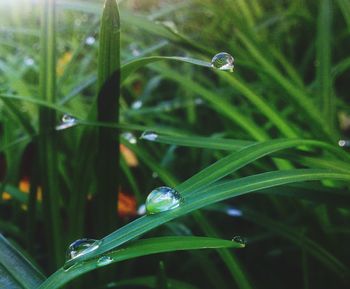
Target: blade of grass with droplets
<point>192,202</point>
<point>324,51</point>
<point>136,249</point>
<point>47,142</point>
<point>16,271</point>
<point>216,171</point>
<point>107,159</point>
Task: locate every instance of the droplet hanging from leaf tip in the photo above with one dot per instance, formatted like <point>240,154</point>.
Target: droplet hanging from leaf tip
<point>223,61</point>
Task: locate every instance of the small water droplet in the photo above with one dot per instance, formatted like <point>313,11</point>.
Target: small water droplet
<point>28,61</point>
<point>104,260</point>
<point>129,137</point>
<point>136,104</point>
<point>135,50</point>
<point>149,135</point>
<point>154,175</point>
<point>67,121</point>
<point>344,143</point>
<point>162,199</point>
<point>90,40</point>
<point>234,212</point>
<point>240,240</point>
<point>81,247</point>
<point>223,61</point>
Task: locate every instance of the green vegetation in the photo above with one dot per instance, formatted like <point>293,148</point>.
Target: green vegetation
<point>101,104</point>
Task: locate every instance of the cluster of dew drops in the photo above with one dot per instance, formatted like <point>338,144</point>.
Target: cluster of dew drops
<point>159,200</point>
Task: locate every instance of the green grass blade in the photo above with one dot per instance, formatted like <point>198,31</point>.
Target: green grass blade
<point>130,67</point>
<point>18,269</point>
<point>108,111</point>
<point>137,249</point>
<point>203,142</point>
<point>47,143</point>
<point>324,53</point>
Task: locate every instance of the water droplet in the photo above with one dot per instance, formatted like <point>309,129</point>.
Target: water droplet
<point>129,137</point>
<point>162,199</point>
<point>149,135</point>
<point>81,247</point>
<point>104,260</point>
<point>154,175</point>
<point>223,61</point>
<point>28,61</point>
<point>136,104</point>
<point>234,212</point>
<point>135,51</point>
<point>344,143</point>
<point>67,122</point>
<point>240,240</point>
<point>90,40</point>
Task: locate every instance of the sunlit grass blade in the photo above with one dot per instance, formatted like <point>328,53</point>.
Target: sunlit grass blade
<point>130,67</point>
<point>137,249</point>
<point>16,271</point>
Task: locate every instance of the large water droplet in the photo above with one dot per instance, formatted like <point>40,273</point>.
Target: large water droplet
<point>130,137</point>
<point>149,135</point>
<point>223,61</point>
<point>67,121</point>
<point>162,199</point>
<point>240,240</point>
<point>81,247</point>
<point>344,143</point>
<point>104,260</point>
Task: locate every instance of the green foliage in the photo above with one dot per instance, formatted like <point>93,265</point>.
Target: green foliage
<point>253,153</point>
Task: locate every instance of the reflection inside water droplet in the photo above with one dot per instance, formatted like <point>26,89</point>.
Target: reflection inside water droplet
<point>81,247</point>
<point>129,137</point>
<point>240,240</point>
<point>223,61</point>
<point>67,121</point>
<point>104,260</point>
<point>162,199</point>
<point>149,135</point>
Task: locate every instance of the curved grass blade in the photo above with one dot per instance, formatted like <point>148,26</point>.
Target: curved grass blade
<point>128,68</point>
<point>16,269</point>
<point>194,200</point>
<point>137,249</point>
